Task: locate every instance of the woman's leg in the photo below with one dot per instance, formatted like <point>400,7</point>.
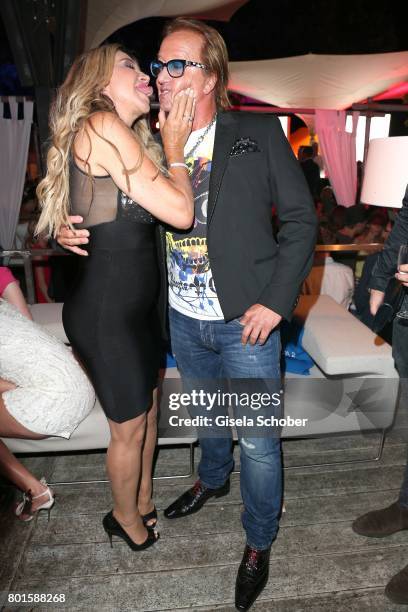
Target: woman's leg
<point>124,460</point>
<point>145,502</point>
<point>6,385</point>
<point>10,467</point>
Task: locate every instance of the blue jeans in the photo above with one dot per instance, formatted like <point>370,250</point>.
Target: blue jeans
<point>212,351</point>
<point>400,354</point>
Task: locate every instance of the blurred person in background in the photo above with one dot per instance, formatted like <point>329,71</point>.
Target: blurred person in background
<point>41,266</point>
<point>28,212</point>
<point>350,222</point>
<point>328,277</point>
<point>310,169</point>
<point>394,518</point>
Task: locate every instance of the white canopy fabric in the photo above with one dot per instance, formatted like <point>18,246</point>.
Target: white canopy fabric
<point>318,81</point>
<point>15,139</point>
<point>106,16</point>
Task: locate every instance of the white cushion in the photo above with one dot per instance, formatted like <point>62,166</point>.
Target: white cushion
<point>49,316</point>
<point>93,433</point>
<point>338,342</point>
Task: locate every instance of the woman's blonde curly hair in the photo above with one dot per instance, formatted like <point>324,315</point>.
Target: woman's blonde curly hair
<point>78,98</point>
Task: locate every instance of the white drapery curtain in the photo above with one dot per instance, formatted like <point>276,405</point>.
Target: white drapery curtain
<point>338,149</point>
<point>14,143</point>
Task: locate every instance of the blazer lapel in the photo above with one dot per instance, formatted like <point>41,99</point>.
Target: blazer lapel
<point>225,136</point>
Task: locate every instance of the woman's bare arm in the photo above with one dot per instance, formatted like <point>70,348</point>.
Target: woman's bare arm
<point>169,199</point>
<point>14,295</point>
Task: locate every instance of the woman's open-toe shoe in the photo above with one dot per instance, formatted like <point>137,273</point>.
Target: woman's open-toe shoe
<point>114,528</point>
<point>150,516</point>
<point>24,511</point>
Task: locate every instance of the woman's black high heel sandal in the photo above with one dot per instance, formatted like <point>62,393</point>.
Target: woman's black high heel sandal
<point>150,516</point>
<point>113,528</point>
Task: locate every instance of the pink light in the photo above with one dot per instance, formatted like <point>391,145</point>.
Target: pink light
<point>396,91</point>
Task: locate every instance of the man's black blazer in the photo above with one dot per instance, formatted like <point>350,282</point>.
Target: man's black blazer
<point>253,169</point>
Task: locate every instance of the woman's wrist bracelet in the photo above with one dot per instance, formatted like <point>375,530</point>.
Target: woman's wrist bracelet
<point>178,165</point>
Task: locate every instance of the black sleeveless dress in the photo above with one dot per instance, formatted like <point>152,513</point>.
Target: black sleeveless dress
<point>110,317</point>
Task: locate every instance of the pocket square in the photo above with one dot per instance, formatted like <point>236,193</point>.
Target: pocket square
<point>244,145</point>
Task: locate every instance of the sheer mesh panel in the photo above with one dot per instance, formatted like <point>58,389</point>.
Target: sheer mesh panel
<point>97,207</point>
<point>101,206</point>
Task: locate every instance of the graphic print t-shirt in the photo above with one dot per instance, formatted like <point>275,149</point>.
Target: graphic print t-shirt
<point>191,286</point>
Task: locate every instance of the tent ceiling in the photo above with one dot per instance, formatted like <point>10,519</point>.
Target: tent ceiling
<point>318,81</point>
<point>106,16</point>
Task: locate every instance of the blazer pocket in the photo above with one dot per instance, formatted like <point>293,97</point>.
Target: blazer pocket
<point>246,155</point>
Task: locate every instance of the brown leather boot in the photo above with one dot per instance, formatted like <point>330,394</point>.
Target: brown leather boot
<point>381,523</point>
<point>397,588</point>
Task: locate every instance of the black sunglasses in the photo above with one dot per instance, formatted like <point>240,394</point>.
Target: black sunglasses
<point>175,67</point>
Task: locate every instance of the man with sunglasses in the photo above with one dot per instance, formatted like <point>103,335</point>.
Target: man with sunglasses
<point>175,67</point>
<point>230,284</point>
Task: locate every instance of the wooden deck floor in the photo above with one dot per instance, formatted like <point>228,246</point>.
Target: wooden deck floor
<point>317,562</point>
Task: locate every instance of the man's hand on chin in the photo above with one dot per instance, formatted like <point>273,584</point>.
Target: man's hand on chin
<point>70,239</point>
<point>258,322</point>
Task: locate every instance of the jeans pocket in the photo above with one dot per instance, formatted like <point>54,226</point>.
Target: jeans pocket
<point>237,321</point>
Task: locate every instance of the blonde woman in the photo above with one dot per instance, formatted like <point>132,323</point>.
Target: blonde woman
<point>105,167</point>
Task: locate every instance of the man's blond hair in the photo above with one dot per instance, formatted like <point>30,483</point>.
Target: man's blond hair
<point>214,53</point>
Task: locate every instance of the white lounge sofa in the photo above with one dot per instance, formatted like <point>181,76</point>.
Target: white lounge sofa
<point>352,387</point>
